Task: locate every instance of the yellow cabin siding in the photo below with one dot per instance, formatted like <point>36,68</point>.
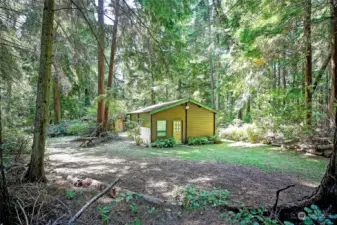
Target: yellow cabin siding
<point>175,113</point>
<point>200,121</point>
<point>134,117</point>
<point>145,118</point>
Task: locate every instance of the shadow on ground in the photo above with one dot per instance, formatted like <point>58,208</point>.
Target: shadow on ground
<point>163,177</point>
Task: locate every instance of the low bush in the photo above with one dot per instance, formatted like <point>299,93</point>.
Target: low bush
<point>72,127</point>
<point>246,132</point>
<point>165,143</point>
<point>198,140</point>
<point>254,134</point>
<point>214,139</point>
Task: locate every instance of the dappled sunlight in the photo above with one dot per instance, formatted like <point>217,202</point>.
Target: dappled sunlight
<point>160,173</point>
<point>200,180</point>
<point>309,184</point>
<point>245,144</point>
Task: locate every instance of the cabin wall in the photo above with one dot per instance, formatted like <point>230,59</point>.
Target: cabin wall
<point>200,121</point>
<point>175,113</point>
<point>134,117</point>
<point>145,118</point>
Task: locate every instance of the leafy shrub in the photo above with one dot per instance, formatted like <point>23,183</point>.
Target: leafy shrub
<point>254,134</point>
<point>165,143</point>
<point>72,127</point>
<point>313,216</point>
<point>77,128</point>
<point>198,140</point>
<point>246,132</point>
<point>194,198</point>
<point>214,139</point>
<point>316,216</point>
<point>133,131</point>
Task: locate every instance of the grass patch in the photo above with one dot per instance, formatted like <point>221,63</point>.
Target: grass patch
<point>263,157</point>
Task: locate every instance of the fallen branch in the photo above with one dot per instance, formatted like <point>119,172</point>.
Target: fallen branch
<point>277,197</point>
<point>80,212</point>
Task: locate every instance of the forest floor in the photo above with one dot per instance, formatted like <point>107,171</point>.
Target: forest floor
<point>251,174</point>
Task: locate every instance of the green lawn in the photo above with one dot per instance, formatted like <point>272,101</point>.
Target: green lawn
<point>264,157</point>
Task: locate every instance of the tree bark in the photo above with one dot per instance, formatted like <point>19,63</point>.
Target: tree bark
<point>278,75</point>
<point>35,170</point>
<point>179,89</point>
<point>211,54</point>
<point>321,72</point>
<point>218,85</point>
<point>111,65</point>
<point>308,61</point>
<point>56,97</point>
<point>4,195</point>
<point>333,58</point>
<point>240,114</point>
<point>100,44</point>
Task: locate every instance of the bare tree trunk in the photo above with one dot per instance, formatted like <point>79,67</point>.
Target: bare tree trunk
<point>4,195</point>
<point>278,75</point>
<point>321,72</point>
<point>153,97</point>
<point>112,64</point>
<point>240,114</point>
<point>211,55</point>
<point>218,85</point>
<point>56,97</point>
<point>333,59</point>
<point>179,89</point>
<point>35,170</point>
<point>100,44</point>
<point>308,59</point>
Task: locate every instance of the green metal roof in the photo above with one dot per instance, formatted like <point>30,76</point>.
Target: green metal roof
<point>167,105</point>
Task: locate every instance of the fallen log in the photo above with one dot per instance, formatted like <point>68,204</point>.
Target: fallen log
<point>324,147</point>
<point>94,199</point>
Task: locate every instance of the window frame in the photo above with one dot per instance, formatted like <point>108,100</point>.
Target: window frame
<point>160,136</point>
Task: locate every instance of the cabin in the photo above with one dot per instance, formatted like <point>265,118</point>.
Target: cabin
<point>181,119</point>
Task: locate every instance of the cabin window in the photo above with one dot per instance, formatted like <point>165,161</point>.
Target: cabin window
<point>161,128</point>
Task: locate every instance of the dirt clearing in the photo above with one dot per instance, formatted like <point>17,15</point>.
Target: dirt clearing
<point>163,177</point>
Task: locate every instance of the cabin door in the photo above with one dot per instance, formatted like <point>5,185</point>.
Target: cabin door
<point>177,130</point>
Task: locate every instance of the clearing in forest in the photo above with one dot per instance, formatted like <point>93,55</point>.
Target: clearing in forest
<point>251,174</point>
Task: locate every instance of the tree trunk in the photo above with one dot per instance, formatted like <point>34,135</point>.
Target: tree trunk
<point>4,195</point>
<point>111,65</point>
<point>326,194</point>
<point>321,72</point>
<point>179,89</point>
<point>240,114</point>
<point>333,58</point>
<point>278,75</point>
<point>284,80</point>
<point>211,55</point>
<point>218,85</point>
<point>308,61</point>
<point>35,170</point>
<point>153,96</point>
<point>56,97</point>
<point>100,105</point>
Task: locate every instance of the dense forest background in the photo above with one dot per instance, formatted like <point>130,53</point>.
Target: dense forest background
<point>70,67</point>
<point>245,58</point>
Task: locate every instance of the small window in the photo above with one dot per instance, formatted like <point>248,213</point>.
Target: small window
<point>161,128</point>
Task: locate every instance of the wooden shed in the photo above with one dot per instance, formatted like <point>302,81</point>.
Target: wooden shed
<point>181,119</point>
